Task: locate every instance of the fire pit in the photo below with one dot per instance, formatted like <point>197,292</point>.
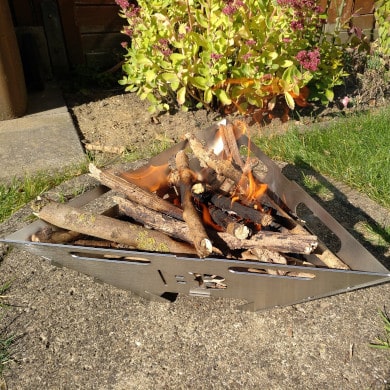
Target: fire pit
<point>219,220</point>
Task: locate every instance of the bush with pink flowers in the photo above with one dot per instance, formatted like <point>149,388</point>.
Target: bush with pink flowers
<point>235,54</point>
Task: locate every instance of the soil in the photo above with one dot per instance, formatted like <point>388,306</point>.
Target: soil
<point>74,333</point>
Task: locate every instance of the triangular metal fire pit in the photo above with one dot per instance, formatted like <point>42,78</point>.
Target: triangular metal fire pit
<point>163,276</point>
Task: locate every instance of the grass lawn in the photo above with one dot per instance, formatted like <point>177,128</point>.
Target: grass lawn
<point>354,150</point>
<point>15,195</point>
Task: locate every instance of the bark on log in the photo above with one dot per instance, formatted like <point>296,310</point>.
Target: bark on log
<point>324,254</point>
<point>156,220</point>
<point>102,244</point>
<point>207,158</point>
<point>229,224</point>
<point>278,242</point>
<point>231,144</point>
<point>49,235</point>
<point>135,193</point>
<point>111,229</point>
<point>105,148</point>
<point>191,217</point>
<point>245,212</point>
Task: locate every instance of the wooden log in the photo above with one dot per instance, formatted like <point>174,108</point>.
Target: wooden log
<point>231,144</point>
<point>153,219</point>
<point>102,244</point>
<point>105,148</point>
<point>263,255</point>
<point>245,212</point>
<point>49,235</point>
<point>198,233</point>
<point>111,229</point>
<point>135,193</point>
<point>229,223</point>
<point>278,242</point>
<point>324,254</point>
<point>207,158</point>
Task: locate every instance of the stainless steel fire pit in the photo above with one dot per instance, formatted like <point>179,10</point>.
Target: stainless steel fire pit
<point>163,276</point>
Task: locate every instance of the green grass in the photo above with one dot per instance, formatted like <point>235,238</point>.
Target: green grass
<point>354,150</point>
<point>383,342</point>
<point>15,195</point>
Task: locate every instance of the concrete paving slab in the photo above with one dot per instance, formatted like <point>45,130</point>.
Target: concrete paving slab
<point>45,139</point>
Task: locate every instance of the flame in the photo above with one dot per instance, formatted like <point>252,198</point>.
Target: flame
<point>248,189</point>
<point>208,220</point>
<point>255,190</point>
<point>150,178</point>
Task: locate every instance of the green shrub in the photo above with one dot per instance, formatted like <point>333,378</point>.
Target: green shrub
<point>237,53</point>
<point>382,16</point>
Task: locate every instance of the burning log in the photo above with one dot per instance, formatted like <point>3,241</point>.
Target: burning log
<point>279,242</point>
<point>111,229</point>
<point>229,223</point>
<point>135,193</point>
<point>225,168</point>
<point>191,217</point>
<point>209,159</point>
<point>245,212</point>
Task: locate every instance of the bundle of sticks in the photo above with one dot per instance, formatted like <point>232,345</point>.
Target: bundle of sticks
<point>218,209</point>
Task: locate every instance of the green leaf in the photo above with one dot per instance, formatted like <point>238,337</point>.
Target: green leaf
<point>151,98</point>
<point>170,77</point>
<point>289,100</point>
<point>199,39</point>
<point>208,96</point>
<point>177,57</point>
<point>329,94</point>
<point>290,74</point>
<point>272,55</point>
<point>286,63</point>
<point>150,75</point>
<point>143,60</point>
<point>223,97</point>
<point>198,82</point>
<point>181,95</point>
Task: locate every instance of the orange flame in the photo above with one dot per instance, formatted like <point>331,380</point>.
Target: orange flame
<point>254,189</point>
<point>208,220</point>
<point>150,178</point>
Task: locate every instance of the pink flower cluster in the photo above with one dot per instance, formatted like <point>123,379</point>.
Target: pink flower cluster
<point>124,4</point>
<point>216,56</point>
<point>309,59</point>
<point>163,47</point>
<point>301,4</point>
<point>232,7</point>
<point>131,12</point>
<point>303,10</point>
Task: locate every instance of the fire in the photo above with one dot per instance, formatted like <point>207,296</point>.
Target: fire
<point>207,219</point>
<point>152,178</point>
<point>254,190</point>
